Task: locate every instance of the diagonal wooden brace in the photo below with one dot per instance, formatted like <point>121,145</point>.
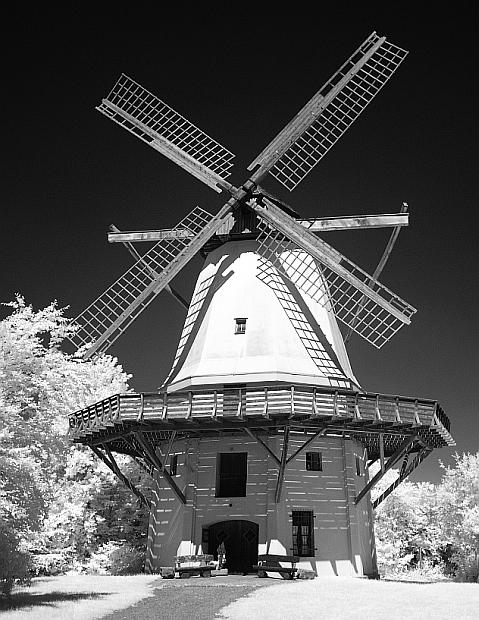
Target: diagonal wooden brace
<point>113,465</point>
<point>400,452</point>
<point>282,466</point>
<point>155,461</point>
<point>418,459</point>
<point>263,444</point>
<point>319,433</point>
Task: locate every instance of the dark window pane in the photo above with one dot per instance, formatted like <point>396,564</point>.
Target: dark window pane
<point>314,461</point>
<point>240,326</point>
<point>173,464</point>
<point>231,474</point>
<point>303,533</point>
<point>358,466</point>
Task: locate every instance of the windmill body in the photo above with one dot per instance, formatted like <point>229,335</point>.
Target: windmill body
<point>260,438</point>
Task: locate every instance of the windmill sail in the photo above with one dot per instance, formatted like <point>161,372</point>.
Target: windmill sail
<point>325,118</point>
<point>375,314</point>
<point>156,123</point>
<point>107,317</point>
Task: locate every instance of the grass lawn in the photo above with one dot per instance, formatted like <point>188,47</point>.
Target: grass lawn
<point>146,597</point>
<point>75,597</point>
<point>347,598</point>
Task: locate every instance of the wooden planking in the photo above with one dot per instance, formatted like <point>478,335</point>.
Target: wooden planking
<point>361,414</point>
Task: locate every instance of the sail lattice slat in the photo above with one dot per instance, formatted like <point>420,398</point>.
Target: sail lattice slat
<point>321,282</point>
<point>121,303</point>
<point>149,118</point>
<point>330,112</point>
<point>322,358</point>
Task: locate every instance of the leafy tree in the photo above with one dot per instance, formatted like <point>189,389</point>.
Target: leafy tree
<point>459,514</point>
<point>43,479</point>
<point>423,524</point>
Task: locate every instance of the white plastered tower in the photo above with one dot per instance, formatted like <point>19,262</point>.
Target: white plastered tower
<point>287,336</point>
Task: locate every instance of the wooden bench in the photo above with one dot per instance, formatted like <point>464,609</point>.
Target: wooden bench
<point>189,565</point>
<point>272,564</point>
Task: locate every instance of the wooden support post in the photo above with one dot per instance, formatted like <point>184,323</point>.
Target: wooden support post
<point>112,464</point>
<point>265,445</point>
<point>282,466</point>
<point>168,449</point>
<point>150,452</point>
<point>381,451</point>
<point>400,452</point>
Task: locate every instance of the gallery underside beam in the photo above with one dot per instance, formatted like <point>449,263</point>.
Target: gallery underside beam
<point>421,455</point>
<point>405,447</point>
<point>111,463</point>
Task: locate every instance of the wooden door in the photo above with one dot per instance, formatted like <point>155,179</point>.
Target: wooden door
<point>241,543</point>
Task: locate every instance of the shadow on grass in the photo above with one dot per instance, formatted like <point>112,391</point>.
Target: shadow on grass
<point>24,599</point>
<point>417,581</point>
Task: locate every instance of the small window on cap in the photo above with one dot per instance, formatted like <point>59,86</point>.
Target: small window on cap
<point>240,326</point>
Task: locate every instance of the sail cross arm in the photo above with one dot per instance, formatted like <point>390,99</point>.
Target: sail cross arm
<point>355,221</point>
<point>127,236</point>
<point>337,283</point>
<point>109,315</point>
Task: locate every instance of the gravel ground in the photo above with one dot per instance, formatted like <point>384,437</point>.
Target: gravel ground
<point>195,598</point>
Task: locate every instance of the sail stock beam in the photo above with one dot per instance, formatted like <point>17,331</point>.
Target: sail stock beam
<point>153,121</point>
<point>294,152</point>
<point>109,315</point>
<point>338,283</point>
<point>137,256</point>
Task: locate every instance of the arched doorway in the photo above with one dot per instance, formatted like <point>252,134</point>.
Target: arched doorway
<point>241,543</point>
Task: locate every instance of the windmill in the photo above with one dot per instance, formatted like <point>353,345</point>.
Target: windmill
<point>261,355</point>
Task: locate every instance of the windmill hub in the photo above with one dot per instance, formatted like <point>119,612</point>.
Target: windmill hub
<point>260,439</point>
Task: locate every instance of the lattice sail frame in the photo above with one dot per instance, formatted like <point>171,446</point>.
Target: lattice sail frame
<point>331,111</point>
<point>112,312</point>
<point>320,282</point>
<point>325,360</point>
<point>152,120</point>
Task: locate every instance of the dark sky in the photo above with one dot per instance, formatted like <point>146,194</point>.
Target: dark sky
<point>69,172</point>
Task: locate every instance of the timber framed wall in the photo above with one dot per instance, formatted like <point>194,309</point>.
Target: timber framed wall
<point>343,532</point>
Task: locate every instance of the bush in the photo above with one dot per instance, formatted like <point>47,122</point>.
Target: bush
<point>467,567</point>
<point>14,563</point>
<point>99,562</point>
<point>50,564</point>
<point>127,560</point>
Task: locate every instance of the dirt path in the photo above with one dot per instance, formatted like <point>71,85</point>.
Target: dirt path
<point>196,598</point>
